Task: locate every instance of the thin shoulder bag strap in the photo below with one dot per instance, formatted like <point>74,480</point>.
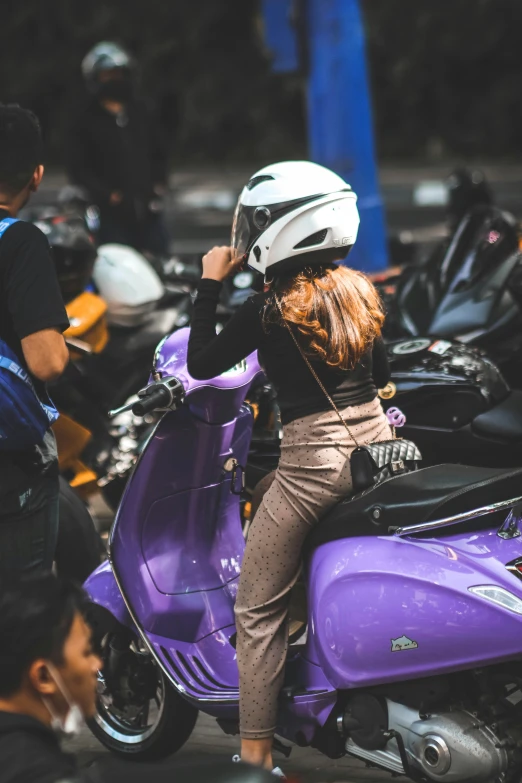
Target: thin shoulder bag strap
<point>332,403</point>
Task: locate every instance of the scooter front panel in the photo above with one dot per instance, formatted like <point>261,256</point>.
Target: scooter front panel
<point>177,551</point>
<point>388,609</point>
<point>184,555</point>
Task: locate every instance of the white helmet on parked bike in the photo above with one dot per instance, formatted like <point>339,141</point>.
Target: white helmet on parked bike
<point>294,214</point>
<point>128,283</point>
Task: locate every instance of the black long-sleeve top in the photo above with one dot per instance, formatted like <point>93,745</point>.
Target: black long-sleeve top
<point>298,392</point>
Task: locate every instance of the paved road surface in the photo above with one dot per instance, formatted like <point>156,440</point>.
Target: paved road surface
<point>209,744</point>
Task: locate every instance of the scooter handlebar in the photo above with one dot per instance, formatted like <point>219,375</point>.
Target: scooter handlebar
<point>157,397</point>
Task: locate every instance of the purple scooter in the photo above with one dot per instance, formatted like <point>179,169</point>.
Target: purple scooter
<point>413,656</point>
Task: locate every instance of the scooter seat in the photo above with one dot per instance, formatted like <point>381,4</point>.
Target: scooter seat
<point>436,492</point>
<point>503,422</point>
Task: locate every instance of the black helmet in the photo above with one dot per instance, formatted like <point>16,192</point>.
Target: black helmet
<point>106,57</point>
<point>72,250</point>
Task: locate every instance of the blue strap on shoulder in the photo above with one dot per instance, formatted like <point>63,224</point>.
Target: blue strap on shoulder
<point>10,364</point>
<point>6,362</point>
<point>5,223</point>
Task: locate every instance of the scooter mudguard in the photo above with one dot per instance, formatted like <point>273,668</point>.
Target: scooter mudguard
<point>105,594</point>
<point>387,609</point>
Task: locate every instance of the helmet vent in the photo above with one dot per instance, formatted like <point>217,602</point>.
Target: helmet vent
<point>314,239</point>
<point>258,180</point>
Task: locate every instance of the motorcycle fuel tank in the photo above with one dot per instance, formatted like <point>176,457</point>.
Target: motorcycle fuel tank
<point>441,383</point>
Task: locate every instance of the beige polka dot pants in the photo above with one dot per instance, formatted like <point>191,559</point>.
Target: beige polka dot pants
<point>312,476</point>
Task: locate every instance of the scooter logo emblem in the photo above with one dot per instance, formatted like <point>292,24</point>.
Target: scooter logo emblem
<point>403,643</point>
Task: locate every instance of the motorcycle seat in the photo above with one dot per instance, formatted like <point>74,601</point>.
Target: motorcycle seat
<point>503,422</point>
<point>435,492</point>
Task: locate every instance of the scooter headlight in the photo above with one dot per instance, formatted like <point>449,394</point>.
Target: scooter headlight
<point>498,596</point>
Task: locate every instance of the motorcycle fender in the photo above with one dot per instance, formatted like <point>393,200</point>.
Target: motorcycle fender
<point>107,611</point>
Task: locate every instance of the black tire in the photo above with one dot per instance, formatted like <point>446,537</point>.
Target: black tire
<point>165,737</point>
<point>79,548</point>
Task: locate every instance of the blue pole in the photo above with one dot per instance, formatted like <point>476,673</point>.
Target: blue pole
<point>280,35</point>
<point>339,117</point>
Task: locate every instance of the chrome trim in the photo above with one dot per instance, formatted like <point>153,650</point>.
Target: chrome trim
<point>388,759</point>
<point>436,523</point>
<point>180,688</point>
<point>509,528</point>
<point>119,736</point>
<point>512,567</point>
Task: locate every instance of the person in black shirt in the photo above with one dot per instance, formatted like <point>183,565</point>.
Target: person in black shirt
<point>32,318</point>
<point>117,153</point>
<point>318,332</point>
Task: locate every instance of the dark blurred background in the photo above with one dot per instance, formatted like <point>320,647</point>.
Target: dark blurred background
<point>446,76</point>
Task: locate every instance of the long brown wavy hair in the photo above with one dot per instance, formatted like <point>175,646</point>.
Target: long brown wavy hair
<point>335,309</point>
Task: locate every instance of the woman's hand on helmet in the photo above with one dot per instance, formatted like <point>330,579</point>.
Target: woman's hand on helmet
<point>220,262</point>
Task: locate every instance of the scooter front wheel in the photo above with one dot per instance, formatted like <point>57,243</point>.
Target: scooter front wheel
<point>139,715</point>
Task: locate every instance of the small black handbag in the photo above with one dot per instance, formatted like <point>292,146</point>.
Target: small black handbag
<point>383,459</point>
<point>374,462</point>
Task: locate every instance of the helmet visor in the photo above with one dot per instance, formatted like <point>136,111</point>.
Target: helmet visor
<point>248,225</point>
<point>241,231</point>
<point>251,221</point>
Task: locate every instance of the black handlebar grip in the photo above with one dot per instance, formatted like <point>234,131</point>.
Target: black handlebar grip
<point>158,398</point>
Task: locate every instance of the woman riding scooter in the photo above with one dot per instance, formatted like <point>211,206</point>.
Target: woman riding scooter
<point>317,329</point>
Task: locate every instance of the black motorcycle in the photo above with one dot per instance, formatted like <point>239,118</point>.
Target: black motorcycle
<point>456,402</point>
<point>469,289</point>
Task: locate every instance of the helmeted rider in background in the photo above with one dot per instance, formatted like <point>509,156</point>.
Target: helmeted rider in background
<point>116,151</point>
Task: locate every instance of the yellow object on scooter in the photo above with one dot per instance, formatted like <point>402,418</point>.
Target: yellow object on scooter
<point>87,315</point>
<point>71,439</point>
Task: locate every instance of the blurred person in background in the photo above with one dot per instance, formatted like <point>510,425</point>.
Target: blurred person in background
<point>117,153</point>
<point>32,319</point>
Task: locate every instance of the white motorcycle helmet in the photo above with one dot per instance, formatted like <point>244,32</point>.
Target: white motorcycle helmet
<point>128,283</point>
<point>294,214</point>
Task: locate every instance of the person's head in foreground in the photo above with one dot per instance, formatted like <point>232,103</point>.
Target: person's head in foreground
<point>21,154</point>
<point>48,669</point>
